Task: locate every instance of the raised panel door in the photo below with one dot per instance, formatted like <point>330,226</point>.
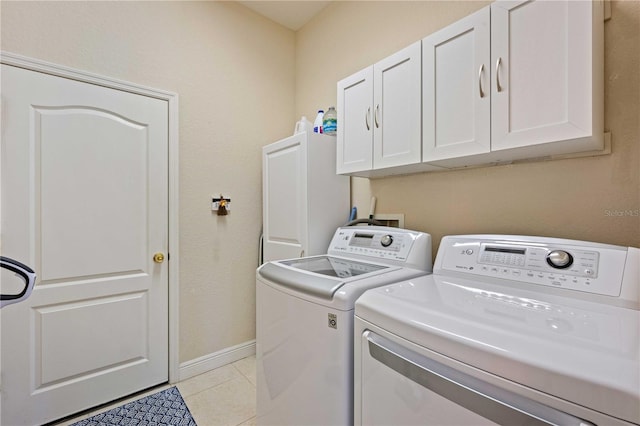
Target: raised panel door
<point>85,202</point>
<point>284,180</point>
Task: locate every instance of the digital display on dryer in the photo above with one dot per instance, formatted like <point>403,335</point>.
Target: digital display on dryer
<point>506,250</point>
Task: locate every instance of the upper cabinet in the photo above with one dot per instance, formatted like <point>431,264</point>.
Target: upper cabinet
<point>515,80</point>
<point>355,132</point>
<point>456,97</point>
<point>518,79</point>
<point>547,88</point>
<point>397,109</point>
<point>379,116</point>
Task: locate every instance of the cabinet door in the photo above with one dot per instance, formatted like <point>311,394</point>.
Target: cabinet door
<point>456,95</point>
<point>547,85</point>
<point>284,183</point>
<point>355,123</point>
<point>397,111</point>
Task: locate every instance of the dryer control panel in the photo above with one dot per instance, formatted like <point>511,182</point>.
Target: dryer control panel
<point>568,264</point>
<point>572,262</point>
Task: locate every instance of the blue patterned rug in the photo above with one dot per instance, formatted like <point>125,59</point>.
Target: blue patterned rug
<point>163,408</point>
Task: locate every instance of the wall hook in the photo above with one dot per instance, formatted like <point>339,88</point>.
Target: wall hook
<point>221,205</point>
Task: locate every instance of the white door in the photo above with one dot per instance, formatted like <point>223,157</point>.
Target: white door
<point>284,183</point>
<point>355,122</point>
<point>84,202</point>
<point>547,58</point>
<point>456,94</point>
<point>397,113</point>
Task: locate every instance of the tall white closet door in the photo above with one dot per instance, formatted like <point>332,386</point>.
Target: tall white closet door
<point>85,203</point>
<point>456,94</point>
<point>284,180</point>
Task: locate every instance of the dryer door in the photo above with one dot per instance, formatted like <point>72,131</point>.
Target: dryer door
<point>401,384</point>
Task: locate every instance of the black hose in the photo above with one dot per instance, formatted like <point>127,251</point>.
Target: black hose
<point>367,221</point>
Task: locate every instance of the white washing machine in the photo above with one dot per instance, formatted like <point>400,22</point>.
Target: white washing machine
<point>304,321</point>
<point>508,330</point>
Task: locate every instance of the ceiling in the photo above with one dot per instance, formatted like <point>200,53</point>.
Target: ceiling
<point>291,14</point>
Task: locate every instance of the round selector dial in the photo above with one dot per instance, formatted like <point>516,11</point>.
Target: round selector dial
<point>559,259</point>
<point>386,240</point>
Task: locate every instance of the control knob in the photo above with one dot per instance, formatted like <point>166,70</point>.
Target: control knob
<point>559,259</point>
<point>386,240</point>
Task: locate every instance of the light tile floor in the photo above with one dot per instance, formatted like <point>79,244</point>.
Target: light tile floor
<point>225,396</point>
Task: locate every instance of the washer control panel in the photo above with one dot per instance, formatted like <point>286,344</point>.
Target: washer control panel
<point>382,244</point>
<point>397,246</point>
<point>574,265</point>
<point>389,246</point>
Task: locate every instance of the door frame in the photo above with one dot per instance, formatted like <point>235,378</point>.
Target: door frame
<point>38,65</point>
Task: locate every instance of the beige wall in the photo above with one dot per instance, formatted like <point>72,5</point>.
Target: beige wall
<point>566,198</point>
<point>234,73</point>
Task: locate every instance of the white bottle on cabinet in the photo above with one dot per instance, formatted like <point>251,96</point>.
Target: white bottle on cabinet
<point>304,201</point>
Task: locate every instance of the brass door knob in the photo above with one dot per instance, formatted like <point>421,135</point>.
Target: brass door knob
<point>158,257</point>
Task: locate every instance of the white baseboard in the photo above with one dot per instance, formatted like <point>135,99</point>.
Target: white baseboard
<point>217,359</point>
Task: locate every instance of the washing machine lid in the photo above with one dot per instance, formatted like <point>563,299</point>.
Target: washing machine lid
<point>336,267</point>
<point>583,352</point>
<point>319,276</point>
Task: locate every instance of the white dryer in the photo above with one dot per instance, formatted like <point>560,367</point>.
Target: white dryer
<point>304,321</point>
<point>508,330</point>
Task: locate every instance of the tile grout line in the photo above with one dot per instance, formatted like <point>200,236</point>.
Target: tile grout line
<point>243,375</point>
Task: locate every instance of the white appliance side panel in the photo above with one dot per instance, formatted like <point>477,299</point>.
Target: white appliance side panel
<point>304,366</point>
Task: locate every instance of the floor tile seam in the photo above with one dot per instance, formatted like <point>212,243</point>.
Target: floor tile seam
<point>217,385</point>
<point>204,389</point>
<point>245,420</point>
<point>243,375</point>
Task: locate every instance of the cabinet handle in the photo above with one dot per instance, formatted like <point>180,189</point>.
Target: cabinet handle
<point>480,80</point>
<point>498,85</point>
<point>376,116</point>
<point>367,118</point>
